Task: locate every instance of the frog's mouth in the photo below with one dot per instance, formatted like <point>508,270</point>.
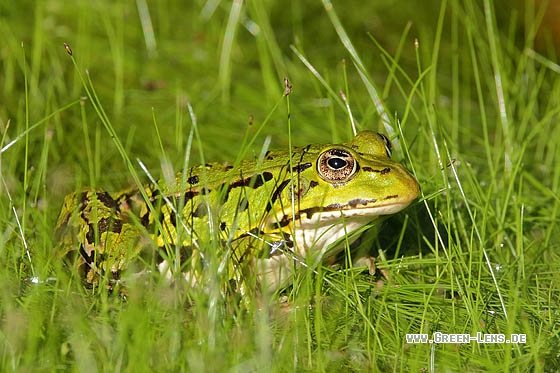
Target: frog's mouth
<point>357,209</point>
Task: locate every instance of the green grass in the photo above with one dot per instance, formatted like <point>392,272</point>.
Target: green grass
<point>472,108</point>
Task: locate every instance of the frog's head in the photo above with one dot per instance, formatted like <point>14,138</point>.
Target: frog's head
<point>357,180</point>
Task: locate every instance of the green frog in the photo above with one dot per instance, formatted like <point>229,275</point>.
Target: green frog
<point>261,219</point>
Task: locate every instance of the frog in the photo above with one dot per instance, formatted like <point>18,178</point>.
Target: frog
<point>261,219</point>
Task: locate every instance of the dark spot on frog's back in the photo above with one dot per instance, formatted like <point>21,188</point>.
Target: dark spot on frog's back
<point>253,181</point>
<point>193,180</point>
<point>276,194</point>
<point>103,225</point>
<point>107,200</point>
<point>87,197</point>
<point>190,194</point>
<point>88,258</point>
<point>265,176</point>
<point>84,199</point>
<point>301,167</point>
<point>384,171</point>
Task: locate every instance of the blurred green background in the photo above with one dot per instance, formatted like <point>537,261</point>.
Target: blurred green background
<point>148,59</point>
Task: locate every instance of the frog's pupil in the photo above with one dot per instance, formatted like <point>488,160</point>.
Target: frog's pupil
<point>337,163</point>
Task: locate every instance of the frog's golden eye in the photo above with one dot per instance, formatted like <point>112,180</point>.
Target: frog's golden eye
<point>336,165</point>
<point>388,145</point>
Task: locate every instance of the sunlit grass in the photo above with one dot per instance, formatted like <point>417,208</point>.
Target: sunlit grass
<point>472,109</point>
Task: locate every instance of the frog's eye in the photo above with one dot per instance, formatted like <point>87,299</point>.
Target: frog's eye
<point>387,142</point>
<point>336,165</point>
